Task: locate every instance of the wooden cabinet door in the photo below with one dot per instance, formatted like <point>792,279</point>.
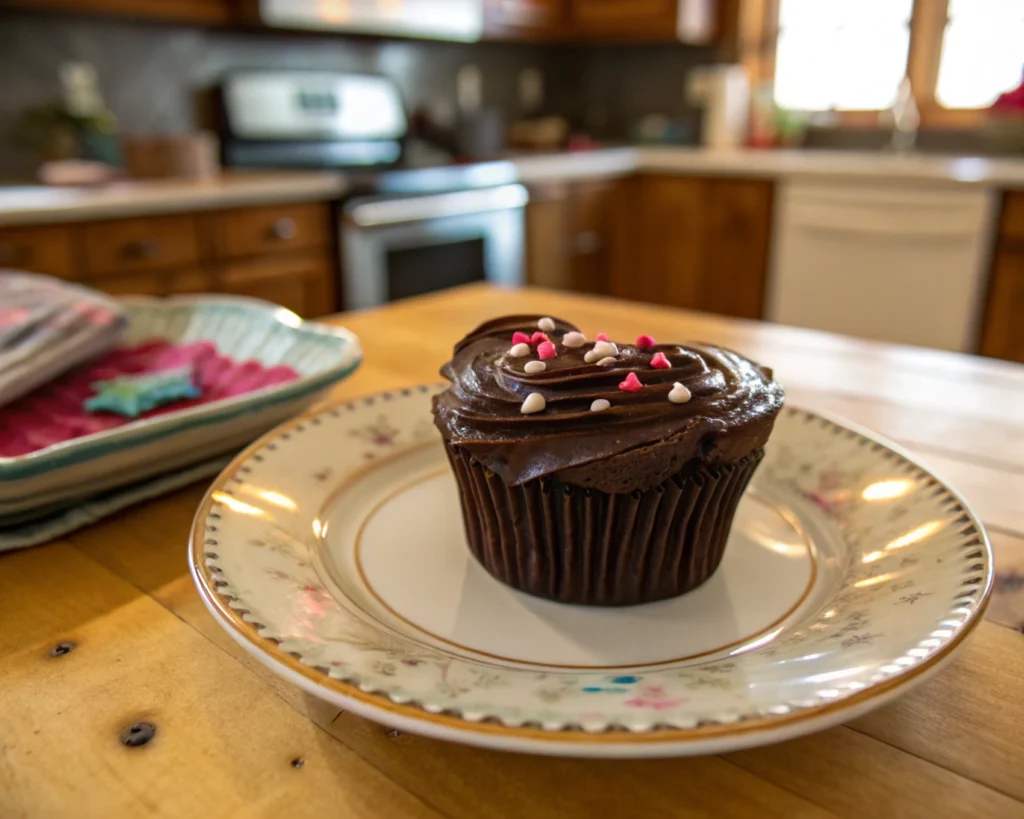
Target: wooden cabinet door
<point>304,283</point>
<point>161,283</point>
<point>593,235</point>
<point>697,243</point>
<point>133,245</point>
<point>737,240</point>
<point>524,17</point>
<point>1002,334</point>
<point>272,229</point>
<point>38,250</point>
<point>625,17</point>
<point>571,235</point>
<point>186,11</point>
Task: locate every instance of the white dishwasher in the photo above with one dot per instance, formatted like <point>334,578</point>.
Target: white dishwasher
<point>899,262</point>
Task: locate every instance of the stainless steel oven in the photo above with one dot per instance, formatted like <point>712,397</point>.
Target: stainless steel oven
<point>395,247</point>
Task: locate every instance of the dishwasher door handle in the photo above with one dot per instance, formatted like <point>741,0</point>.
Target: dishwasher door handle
<point>381,212</point>
<point>879,233</point>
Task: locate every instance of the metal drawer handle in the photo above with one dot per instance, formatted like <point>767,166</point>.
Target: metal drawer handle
<point>142,249</point>
<point>283,229</point>
<point>380,212</point>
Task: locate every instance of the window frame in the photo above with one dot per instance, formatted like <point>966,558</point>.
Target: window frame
<point>758,38</point>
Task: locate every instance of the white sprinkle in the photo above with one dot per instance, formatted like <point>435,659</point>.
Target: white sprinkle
<point>546,324</point>
<point>535,366</point>
<point>606,348</point>
<point>534,403</point>
<point>574,339</point>
<point>607,362</point>
<point>679,394</point>
<point>591,356</point>
<point>600,405</point>
<point>519,350</point>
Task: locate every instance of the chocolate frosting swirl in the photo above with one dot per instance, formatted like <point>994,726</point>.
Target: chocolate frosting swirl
<point>641,440</point>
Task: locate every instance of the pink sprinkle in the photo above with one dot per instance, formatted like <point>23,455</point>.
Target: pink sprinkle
<point>645,342</point>
<point>520,338</point>
<point>602,337</point>
<point>546,350</point>
<point>631,384</point>
<point>538,337</point>
<point>658,360</point>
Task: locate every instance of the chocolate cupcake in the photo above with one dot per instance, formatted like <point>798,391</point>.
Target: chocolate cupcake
<point>599,473</point>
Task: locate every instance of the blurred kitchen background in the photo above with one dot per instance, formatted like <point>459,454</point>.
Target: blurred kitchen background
<point>850,165</point>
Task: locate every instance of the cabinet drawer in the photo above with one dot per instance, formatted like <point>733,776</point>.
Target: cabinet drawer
<point>131,245</point>
<point>38,250</point>
<point>157,283</point>
<point>302,282</point>
<point>250,231</point>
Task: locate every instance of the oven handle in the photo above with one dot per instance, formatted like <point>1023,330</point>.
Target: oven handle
<point>371,213</point>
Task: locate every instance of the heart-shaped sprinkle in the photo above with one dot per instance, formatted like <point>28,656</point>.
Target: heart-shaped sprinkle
<point>600,405</point>
<point>610,361</point>
<point>659,361</point>
<point>519,350</point>
<point>645,342</point>
<point>631,383</point>
<point>546,350</point>
<point>679,394</point>
<point>535,367</point>
<point>574,339</point>
<point>546,324</point>
<point>602,337</point>
<point>537,338</point>
<point>520,338</point>
<point>534,403</point>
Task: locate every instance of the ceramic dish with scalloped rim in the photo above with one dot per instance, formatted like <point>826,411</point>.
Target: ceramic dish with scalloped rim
<point>333,551</point>
<point>245,328</point>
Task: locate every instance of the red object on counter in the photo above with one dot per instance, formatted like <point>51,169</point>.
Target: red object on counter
<point>54,413</point>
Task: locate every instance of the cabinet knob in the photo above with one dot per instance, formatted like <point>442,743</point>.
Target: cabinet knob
<point>283,229</point>
<point>587,242</point>
<point>142,249</point>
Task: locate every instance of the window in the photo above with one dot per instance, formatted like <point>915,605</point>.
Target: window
<point>982,52</point>
<point>841,54</point>
<point>850,55</point>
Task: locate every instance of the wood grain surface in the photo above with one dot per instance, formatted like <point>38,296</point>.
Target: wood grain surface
<point>233,740</point>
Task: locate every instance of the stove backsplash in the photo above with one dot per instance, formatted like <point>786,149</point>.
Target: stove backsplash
<point>155,77</point>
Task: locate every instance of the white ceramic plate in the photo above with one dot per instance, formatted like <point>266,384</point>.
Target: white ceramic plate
<point>333,551</point>
<point>241,327</point>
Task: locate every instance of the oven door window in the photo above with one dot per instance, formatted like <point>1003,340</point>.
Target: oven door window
<point>412,271</point>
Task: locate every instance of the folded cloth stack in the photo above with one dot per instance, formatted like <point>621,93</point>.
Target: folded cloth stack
<point>48,326</point>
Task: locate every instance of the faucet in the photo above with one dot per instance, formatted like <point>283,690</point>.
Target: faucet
<point>905,119</point>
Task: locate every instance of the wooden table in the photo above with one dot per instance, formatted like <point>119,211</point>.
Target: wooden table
<point>232,740</point>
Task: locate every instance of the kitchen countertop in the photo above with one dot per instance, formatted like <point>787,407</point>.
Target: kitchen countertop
<point>251,744</point>
<point>38,204</point>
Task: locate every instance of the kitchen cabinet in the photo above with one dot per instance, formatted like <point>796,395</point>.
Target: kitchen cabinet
<point>45,249</point>
<point>1002,334</point>
<point>572,235</point>
<point>699,243</point>
<point>690,21</point>
<point>304,283</point>
<point>525,18</point>
<point>284,253</point>
<point>182,11</point>
<point>131,245</point>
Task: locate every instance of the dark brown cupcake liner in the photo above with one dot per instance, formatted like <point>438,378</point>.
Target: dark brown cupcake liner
<point>577,545</point>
